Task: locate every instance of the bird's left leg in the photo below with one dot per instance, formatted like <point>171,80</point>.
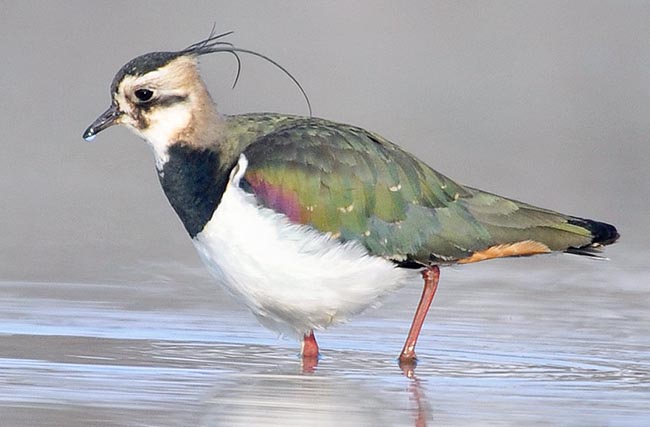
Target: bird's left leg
<point>309,347</point>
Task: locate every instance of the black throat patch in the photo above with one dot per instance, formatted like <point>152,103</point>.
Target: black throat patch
<point>194,181</point>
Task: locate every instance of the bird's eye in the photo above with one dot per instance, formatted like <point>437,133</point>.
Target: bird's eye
<point>144,95</point>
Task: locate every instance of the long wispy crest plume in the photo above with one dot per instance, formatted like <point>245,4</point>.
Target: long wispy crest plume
<point>214,44</point>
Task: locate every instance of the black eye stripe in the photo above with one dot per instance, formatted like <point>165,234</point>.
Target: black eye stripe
<point>163,101</point>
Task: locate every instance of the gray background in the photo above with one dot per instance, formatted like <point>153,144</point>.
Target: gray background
<point>546,102</point>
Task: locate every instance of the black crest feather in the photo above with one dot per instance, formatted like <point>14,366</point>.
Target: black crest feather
<point>212,44</point>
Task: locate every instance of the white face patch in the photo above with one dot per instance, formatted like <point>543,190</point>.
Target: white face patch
<point>162,123</point>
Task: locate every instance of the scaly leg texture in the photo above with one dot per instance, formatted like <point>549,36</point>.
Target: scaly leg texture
<point>431,275</point>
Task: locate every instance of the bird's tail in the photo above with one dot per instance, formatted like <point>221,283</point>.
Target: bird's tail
<point>603,234</point>
<point>516,228</point>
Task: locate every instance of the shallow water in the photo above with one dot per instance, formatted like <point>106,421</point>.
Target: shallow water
<point>554,340</point>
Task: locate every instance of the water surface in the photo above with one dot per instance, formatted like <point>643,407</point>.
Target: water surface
<point>554,340</point>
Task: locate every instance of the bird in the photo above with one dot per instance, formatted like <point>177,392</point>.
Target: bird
<point>308,221</point>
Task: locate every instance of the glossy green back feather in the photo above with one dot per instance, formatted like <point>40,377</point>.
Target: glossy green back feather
<point>358,186</point>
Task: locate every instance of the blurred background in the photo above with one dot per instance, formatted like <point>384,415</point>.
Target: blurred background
<point>107,316</point>
<point>547,102</point>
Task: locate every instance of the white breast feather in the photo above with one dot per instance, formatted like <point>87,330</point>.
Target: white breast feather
<point>292,277</point>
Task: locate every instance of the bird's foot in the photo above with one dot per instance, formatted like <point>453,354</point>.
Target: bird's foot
<point>407,363</point>
<point>309,353</point>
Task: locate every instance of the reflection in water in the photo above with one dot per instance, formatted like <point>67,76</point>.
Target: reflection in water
<point>309,364</point>
<point>420,402</point>
<point>285,399</point>
<point>420,407</point>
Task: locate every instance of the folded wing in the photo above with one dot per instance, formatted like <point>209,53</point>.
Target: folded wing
<point>358,186</point>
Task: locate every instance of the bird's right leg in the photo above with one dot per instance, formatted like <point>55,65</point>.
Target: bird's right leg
<point>431,275</point>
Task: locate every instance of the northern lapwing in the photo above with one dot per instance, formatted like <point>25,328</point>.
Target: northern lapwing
<point>308,221</point>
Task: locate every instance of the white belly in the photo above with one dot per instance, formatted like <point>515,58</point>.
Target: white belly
<point>292,277</point>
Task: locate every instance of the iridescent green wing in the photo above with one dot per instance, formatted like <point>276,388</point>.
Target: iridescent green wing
<point>357,186</point>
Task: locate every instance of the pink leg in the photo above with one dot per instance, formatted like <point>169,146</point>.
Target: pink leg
<point>431,276</point>
<point>309,346</point>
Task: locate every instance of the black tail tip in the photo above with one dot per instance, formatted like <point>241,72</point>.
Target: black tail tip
<point>604,234</point>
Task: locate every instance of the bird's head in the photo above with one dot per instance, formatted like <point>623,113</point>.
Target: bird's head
<point>162,98</point>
